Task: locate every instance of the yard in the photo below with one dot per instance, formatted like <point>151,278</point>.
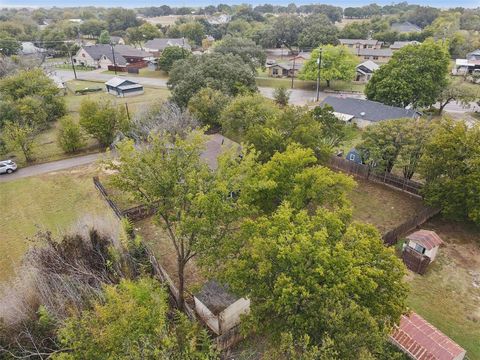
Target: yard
<point>448,295</point>
<point>52,201</point>
<point>145,72</point>
<point>264,81</point>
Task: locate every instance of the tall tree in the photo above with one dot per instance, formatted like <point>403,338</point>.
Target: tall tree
<point>451,168</point>
<point>133,322</point>
<point>104,37</point>
<point>459,92</point>
<point>318,30</point>
<point>171,54</point>
<point>226,73</point>
<point>250,52</point>
<point>207,106</point>
<point>338,63</point>
<point>415,76</point>
<point>192,202</point>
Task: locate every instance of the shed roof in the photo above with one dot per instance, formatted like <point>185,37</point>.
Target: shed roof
<point>375,52</point>
<point>368,110</point>
<point>426,238</point>
<point>160,44</point>
<point>358,41</point>
<point>117,81</point>
<point>422,341</point>
<point>368,65</point>
<point>215,297</point>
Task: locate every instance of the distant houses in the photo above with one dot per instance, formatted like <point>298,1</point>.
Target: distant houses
<point>374,50</point>
<point>469,65</point>
<point>365,112</point>
<point>361,43</point>
<point>106,56</point>
<point>156,46</point>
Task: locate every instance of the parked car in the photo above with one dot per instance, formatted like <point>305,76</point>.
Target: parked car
<point>7,166</point>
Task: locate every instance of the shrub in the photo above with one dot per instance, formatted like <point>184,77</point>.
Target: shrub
<point>70,135</point>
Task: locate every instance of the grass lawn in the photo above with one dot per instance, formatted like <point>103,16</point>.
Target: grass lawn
<point>448,295</point>
<point>145,72</point>
<point>52,201</point>
<point>309,85</point>
<point>381,206</point>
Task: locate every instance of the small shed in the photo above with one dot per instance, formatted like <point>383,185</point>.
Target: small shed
<point>420,340</point>
<point>219,308</point>
<point>425,242</point>
<point>355,156</point>
<point>123,87</point>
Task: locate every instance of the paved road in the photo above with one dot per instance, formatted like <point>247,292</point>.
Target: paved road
<point>51,166</point>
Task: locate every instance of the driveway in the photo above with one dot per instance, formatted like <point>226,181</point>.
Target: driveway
<point>51,166</point>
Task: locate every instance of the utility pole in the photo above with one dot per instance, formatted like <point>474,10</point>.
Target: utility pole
<point>319,62</point>
<point>293,70</point>
<point>71,61</point>
<point>128,112</point>
<point>114,62</point>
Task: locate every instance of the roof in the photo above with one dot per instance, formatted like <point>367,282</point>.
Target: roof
<point>115,39</point>
<point>161,44</point>
<point>405,27</point>
<point>127,50</point>
<point>375,52</point>
<point>287,66</point>
<point>216,144</point>
<point>131,86</point>
<point>399,44</point>
<point>368,65</point>
<point>116,82</point>
<point>358,41</point>
<point>368,110</point>
<point>215,297</point>
<point>99,50</point>
<point>422,341</point>
<point>426,238</point>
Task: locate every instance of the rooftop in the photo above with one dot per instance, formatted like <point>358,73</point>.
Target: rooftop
<point>358,41</point>
<point>215,297</point>
<point>426,238</point>
<point>399,44</point>
<point>368,65</point>
<point>375,52</point>
<point>368,110</point>
<point>422,341</point>
<point>405,27</point>
<point>161,44</point>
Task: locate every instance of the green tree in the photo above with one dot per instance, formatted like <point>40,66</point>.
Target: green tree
<point>285,30</point>
<point>281,96</point>
<point>133,322</point>
<point>207,106</point>
<point>194,31</point>
<point>93,27</point>
<point>19,137</point>
<point>226,73</point>
<point>104,37</point>
<point>355,30</point>
<point>318,30</point>
<point>415,76</point>
<point>250,52</point>
<point>317,275</point>
<point>70,135</point>
<point>32,89</point>
<point>193,203</point>
<point>338,63</point>
<point>121,19</point>
<point>9,46</point>
<point>451,168</point>
<point>246,111</point>
<point>457,91</point>
<point>103,120</point>
<point>138,35</point>
<point>170,55</point>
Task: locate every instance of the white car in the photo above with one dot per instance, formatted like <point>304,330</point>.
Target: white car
<point>7,166</point>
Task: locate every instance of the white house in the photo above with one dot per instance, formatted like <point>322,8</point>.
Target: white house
<point>365,70</point>
<point>425,242</point>
<point>218,308</point>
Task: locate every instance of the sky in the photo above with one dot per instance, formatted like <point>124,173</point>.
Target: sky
<point>193,3</point>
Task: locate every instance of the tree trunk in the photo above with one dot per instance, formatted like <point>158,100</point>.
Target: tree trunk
<point>181,284</point>
<point>328,83</point>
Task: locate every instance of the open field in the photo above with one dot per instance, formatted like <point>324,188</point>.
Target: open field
<point>53,201</point>
<point>448,295</point>
<point>382,206</point>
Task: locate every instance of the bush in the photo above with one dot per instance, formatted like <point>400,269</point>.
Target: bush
<point>207,105</point>
<point>70,135</point>
<point>87,90</point>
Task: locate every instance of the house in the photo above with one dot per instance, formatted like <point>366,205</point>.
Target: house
<point>218,308</point>
<point>405,27</point>
<point>287,69</point>
<point>400,44</point>
<point>420,340</point>
<point>424,242</point>
<point>117,40</point>
<point>29,48</point>
<point>301,57</point>
<point>365,70</point>
<point>380,56</point>
<point>104,55</point>
<point>216,145</point>
<point>361,43</point>
<point>469,65</point>
<point>355,156</point>
<point>123,87</point>
<point>474,55</point>
<point>365,112</point>
<point>156,46</point>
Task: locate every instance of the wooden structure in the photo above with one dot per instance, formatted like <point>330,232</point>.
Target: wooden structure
<point>123,87</point>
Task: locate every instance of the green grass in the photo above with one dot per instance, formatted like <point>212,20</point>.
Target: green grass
<point>309,85</point>
<point>448,294</point>
<point>77,67</point>
<point>53,201</point>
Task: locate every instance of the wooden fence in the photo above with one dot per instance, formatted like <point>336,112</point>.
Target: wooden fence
<point>368,173</point>
<point>103,192</point>
<point>415,261</point>
<point>392,236</point>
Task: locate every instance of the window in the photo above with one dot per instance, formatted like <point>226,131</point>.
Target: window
<point>275,71</point>
<point>420,249</point>
<point>375,58</point>
<point>352,157</point>
<point>366,57</point>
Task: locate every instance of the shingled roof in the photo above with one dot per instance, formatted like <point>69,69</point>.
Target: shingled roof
<point>420,340</point>
<point>160,44</point>
<point>368,110</point>
<point>426,238</point>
